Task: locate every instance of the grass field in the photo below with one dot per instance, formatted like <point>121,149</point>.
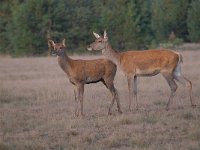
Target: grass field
<point>37,110</point>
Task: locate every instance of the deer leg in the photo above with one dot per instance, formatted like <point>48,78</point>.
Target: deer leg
<point>135,91</point>
<point>186,83</point>
<point>76,101</point>
<point>115,96</point>
<point>130,88</point>
<point>173,86</point>
<point>110,107</point>
<point>106,83</point>
<point>80,97</point>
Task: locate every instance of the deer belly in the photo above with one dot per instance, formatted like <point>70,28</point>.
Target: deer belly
<point>92,80</point>
<point>147,72</point>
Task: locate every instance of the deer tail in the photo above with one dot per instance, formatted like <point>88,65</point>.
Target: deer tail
<point>180,58</point>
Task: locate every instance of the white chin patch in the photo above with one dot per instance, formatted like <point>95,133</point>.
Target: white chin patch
<point>89,49</point>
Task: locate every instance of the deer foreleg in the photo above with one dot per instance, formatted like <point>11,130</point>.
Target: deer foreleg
<point>130,88</point>
<point>135,91</point>
<point>80,97</point>
<point>76,101</point>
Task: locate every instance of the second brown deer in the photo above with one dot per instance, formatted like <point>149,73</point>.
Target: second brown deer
<point>82,72</point>
<point>145,63</point>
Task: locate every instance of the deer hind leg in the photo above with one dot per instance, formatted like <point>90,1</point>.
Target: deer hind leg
<point>135,92</point>
<point>116,95</point>
<point>186,83</point>
<point>172,85</point>
<point>114,92</point>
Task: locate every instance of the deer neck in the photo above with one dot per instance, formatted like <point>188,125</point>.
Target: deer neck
<point>111,54</point>
<point>65,63</point>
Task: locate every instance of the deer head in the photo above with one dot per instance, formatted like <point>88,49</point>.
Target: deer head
<point>56,48</point>
<point>100,43</point>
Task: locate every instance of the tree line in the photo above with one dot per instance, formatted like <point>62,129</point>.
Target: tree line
<point>25,25</point>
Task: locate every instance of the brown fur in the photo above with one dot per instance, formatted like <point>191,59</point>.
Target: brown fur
<point>148,62</point>
<point>82,72</point>
<point>145,63</point>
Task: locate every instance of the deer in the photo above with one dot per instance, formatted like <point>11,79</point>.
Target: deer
<point>134,64</point>
<point>81,72</point>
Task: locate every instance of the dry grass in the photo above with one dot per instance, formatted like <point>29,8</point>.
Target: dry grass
<point>37,104</point>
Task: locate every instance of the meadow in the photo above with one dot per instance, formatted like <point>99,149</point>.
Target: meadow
<point>37,110</point>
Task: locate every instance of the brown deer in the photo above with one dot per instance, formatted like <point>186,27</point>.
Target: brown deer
<point>82,72</point>
<point>145,63</point>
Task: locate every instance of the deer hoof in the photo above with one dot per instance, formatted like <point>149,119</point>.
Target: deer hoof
<point>120,111</point>
<point>109,113</point>
<point>130,109</point>
<point>82,115</point>
<point>167,108</point>
<point>76,114</point>
<point>194,105</point>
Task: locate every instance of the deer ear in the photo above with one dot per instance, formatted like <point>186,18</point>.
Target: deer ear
<point>63,43</point>
<point>51,43</point>
<point>96,35</point>
<point>105,35</point>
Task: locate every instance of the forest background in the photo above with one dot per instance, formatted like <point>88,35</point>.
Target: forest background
<point>25,25</point>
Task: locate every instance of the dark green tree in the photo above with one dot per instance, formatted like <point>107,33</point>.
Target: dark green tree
<point>127,23</point>
<point>193,21</point>
<point>5,18</point>
<point>28,28</point>
<point>35,21</point>
<point>168,16</point>
<point>25,25</point>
